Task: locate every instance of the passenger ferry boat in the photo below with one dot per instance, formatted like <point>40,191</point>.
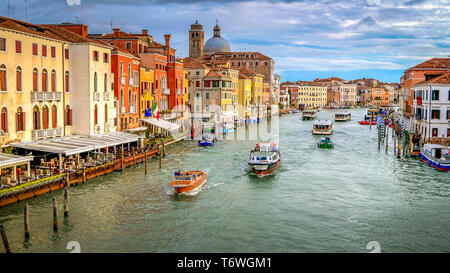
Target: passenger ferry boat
<point>264,158</point>
<point>342,116</point>
<point>309,114</point>
<point>322,127</point>
<point>437,156</point>
<point>188,181</point>
<point>373,111</point>
<point>325,142</point>
<point>206,140</point>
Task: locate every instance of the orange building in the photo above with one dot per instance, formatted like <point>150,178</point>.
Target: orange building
<point>125,68</point>
<point>380,96</point>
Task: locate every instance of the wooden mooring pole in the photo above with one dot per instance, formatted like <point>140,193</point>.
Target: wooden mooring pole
<point>55,214</point>
<point>160,157</point>
<point>399,147</point>
<point>5,239</point>
<point>379,138</point>
<point>26,220</point>
<point>84,175</point>
<point>121,159</point>
<point>66,201</point>
<point>134,156</point>
<point>145,162</point>
<point>386,138</point>
<point>395,143</point>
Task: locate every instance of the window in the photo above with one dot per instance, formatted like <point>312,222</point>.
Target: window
<point>19,47</point>
<point>2,44</point>
<point>95,114</point>
<point>197,84</point>
<point>54,117</point>
<point>449,95</point>
<point>35,80</point>
<point>435,95</point>
<point>53,52</point>
<point>105,83</point>
<point>435,132</point>
<point>44,51</point>
<point>68,116</point>
<point>53,81</point>
<point>121,70</point>
<point>45,117</point>
<point>3,77</point>
<point>129,70</point>
<point>4,120</point>
<point>19,79</point>
<point>66,53</point>
<point>105,58</point>
<point>448,132</point>
<point>106,113</point>
<point>448,114</point>
<point>197,73</point>
<point>95,82</point>
<point>36,118</point>
<point>20,120</point>
<point>66,81</point>
<point>207,95</point>
<point>44,80</point>
<point>35,49</point>
<point>128,45</point>
<point>95,55</point>
<point>435,114</point>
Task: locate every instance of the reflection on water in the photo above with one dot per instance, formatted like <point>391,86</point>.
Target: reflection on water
<point>319,200</point>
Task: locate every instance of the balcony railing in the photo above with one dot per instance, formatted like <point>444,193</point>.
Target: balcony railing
<point>122,81</point>
<point>97,96</point>
<point>130,81</point>
<point>97,129</point>
<point>38,134</point>
<point>47,133</point>
<point>107,96</point>
<point>133,109</point>
<point>165,91</point>
<point>45,96</point>
<point>123,110</point>
<point>107,127</point>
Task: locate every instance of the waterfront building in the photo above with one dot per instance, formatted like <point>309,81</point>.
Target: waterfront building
<point>342,94</point>
<point>35,90</point>
<point>196,40</point>
<point>284,98</point>
<point>159,64</point>
<point>147,84</point>
<point>380,96</point>
<point>245,95</point>
<point>290,89</point>
<point>431,107</point>
<point>90,80</point>
<point>422,72</point>
<point>311,95</point>
<point>276,89</point>
<point>257,85</point>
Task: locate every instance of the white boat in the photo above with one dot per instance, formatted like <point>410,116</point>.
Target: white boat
<point>322,127</point>
<point>342,116</point>
<point>437,156</point>
<point>264,158</point>
<point>309,114</point>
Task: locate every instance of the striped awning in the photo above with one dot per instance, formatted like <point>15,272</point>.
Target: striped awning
<point>77,143</point>
<point>10,160</point>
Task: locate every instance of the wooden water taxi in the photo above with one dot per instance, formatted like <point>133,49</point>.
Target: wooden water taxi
<point>437,156</point>
<point>264,158</point>
<point>342,116</point>
<point>309,114</point>
<point>325,142</point>
<point>188,181</point>
<point>322,127</point>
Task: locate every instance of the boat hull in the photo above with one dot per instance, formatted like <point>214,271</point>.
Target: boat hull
<point>264,169</point>
<point>367,123</point>
<point>197,184</point>
<point>308,118</point>
<point>316,132</point>
<point>206,143</point>
<point>443,166</point>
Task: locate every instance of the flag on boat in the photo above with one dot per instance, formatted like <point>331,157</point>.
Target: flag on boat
<point>155,109</point>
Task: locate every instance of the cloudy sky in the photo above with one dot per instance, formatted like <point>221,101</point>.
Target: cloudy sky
<point>307,39</point>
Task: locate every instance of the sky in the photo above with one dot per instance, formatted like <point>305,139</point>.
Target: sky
<point>307,39</point>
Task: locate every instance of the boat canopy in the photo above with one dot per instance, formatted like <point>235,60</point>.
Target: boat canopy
<point>267,147</point>
<point>323,122</point>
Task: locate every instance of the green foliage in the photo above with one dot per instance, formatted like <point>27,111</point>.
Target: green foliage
<point>8,150</point>
<point>280,105</point>
<point>43,180</point>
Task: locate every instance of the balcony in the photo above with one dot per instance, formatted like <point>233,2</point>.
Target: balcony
<point>47,133</point>
<point>108,127</point>
<point>107,96</point>
<point>46,96</point>
<point>122,81</point>
<point>133,109</point>
<point>130,81</point>
<point>97,129</point>
<point>165,91</point>
<point>38,134</point>
<point>97,96</point>
<point>123,111</point>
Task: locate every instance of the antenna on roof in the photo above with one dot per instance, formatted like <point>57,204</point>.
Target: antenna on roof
<point>111,24</point>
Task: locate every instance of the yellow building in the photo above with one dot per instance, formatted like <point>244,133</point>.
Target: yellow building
<point>257,85</point>
<point>311,95</point>
<point>186,87</point>
<point>147,79</point>
<point>34,83</point>
<point>245,96</point>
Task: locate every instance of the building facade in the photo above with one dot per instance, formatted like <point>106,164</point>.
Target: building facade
<point>147,84</point>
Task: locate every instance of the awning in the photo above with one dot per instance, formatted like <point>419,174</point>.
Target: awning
<point>77,143</point>
<point>169,126</point>
<point>10,160</point>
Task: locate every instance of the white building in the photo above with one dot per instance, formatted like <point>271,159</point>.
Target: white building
<point>432,107</point>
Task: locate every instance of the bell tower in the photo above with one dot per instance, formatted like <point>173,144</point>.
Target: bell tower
<point>196,40</point>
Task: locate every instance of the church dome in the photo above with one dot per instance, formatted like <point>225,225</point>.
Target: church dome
<point>216,43</point>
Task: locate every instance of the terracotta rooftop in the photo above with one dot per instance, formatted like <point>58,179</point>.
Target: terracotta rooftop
<point>443,79</point>
<point>216,74</point>
<point>247,71</point>
<point>241,55</point>
<point>193,65</point>
<point>434,63</point>
<point>72,36</point>
<point>26,27</point>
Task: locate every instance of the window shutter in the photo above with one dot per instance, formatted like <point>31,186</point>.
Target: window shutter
<point>24,121</point>
<point>17,123</point>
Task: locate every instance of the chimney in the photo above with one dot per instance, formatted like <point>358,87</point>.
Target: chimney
<point>167,37</point>
<point>145,32</point>
<point>79,29</point>
<point>116,32</point>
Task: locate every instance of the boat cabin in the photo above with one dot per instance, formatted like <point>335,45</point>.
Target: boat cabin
<point>437,151</point>
<point>309,114</point>
<point>322,127</point>
<point>342,116</point>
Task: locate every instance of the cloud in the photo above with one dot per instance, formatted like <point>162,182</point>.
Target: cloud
<point>321,35</point>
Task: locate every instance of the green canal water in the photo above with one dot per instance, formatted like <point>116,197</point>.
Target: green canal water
<point>318,201</point>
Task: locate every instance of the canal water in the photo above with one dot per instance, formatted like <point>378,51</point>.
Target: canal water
<point>318,201</point>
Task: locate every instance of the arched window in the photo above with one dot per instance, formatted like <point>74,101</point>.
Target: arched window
<point>106,113</point>
<point>4,120</point>
<point>53,81</point>
<point>105,83</point>
<point>95,82</point>
<point>35,80</point>
<point>66,81</point>
<point>54,116</point>
<point>45,117</point>
<point>129,70</point>
<point>2,77</point>
<point>20,120</point>
<point>19,79</point>
<point>68,116</point>
<point>36,118</point>
<point>44,80</point>
<point>121,99</point>
<point>129,100</point>
<point>121,71</point>
<point>96,115</point>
